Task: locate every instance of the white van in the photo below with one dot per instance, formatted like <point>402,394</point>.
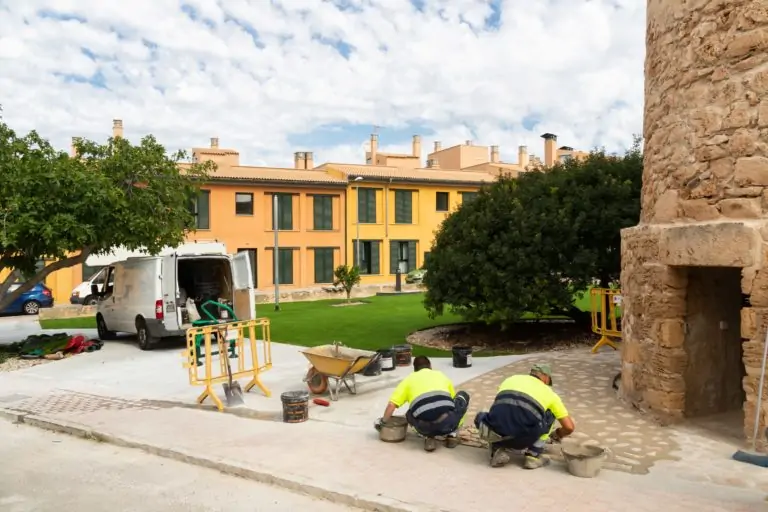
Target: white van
<point>148,295</point>
<point>82,294</point>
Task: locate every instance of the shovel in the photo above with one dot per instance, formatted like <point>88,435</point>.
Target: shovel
<point>233,393</point>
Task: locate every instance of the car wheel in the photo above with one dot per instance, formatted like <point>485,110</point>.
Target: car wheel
<point>101,326</point>
<point>90,301</point>
<point>146,340</point>
<point>31,307</point>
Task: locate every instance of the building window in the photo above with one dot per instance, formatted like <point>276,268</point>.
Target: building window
<point>284,266</point>
<point>253,260</point>
<point>284,212</point>
<point>323,265</point>
<point>403,207</point>
<point>201,209</point>
<point>468,196</point>
<point>402,255</point>
<point>426,259</point>
<point>243,203</point>
<point>366,205</point>
<point>441,201</point>
<point>370,256</point>
<point>323,213</point>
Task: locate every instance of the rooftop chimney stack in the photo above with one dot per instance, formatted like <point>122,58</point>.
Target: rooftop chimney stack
<point>438,146</point>
<point>72,150</point>
<point>309,160</point>
<point>214,142</point>
<point>374,147</point>
<point>417,146</point>
<point>550,149</point>
<point>495,154</point>
<point>299,161</point>
<point>469,142</point>
<point>522,157</point>
<point>117,128</point>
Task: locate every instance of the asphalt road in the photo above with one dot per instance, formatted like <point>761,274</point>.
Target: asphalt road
<point>47,472</point>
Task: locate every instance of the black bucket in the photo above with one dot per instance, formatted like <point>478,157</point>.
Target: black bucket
<point>387,359</point>
<point>373,368</point>
<point>462,357</point>
<point>402,355</point>
<point>295,406</point>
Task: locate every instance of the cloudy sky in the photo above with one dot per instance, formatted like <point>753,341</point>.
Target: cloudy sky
<point>270,77</point>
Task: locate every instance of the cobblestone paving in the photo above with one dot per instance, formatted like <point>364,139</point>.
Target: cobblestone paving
<point>584,381</point>
<point>71,402</point>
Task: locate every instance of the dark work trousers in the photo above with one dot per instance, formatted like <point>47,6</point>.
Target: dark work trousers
<point>447,423</point>
<point>532,438</point>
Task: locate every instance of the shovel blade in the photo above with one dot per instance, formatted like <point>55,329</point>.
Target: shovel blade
<point>233,394</point>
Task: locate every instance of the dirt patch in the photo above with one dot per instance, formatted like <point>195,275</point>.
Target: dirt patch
<point>345,304</point>
<point>15,363</point>
<point>520,338</point>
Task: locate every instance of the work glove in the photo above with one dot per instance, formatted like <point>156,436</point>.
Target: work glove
<point>555,438</point>
<point>378,424</point>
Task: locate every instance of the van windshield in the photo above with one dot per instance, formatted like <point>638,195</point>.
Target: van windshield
<point>99,277</point>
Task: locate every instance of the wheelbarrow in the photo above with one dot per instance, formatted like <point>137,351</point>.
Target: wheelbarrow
<point>338,364</point>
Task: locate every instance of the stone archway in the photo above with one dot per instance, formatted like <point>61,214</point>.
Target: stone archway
<point>695,270</point>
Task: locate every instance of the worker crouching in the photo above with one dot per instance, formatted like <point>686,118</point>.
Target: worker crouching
<point>522,418</point>
<point>435,410</point>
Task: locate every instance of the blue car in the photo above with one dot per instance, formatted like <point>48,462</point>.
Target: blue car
<point>29,303</point>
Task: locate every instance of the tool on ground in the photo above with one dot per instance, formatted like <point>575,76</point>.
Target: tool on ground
<point>321,401</point>
<point>753,457</point>
<point>233,393</point>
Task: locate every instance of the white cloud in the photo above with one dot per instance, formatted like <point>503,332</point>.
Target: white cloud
<point>573,65</point>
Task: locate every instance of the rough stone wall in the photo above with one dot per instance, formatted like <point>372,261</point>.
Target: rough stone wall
<point>705,192</point>
<point>706,110</point>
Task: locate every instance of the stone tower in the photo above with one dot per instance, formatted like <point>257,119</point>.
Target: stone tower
<point>695,270</point>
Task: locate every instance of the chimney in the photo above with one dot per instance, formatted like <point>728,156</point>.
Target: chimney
<point>309,160</point>
<point>469,143</point>
<point>438,146</point>
<point>72,150</point>
<point>374,147</point>
<point>299,160</point>
<point>117,128</point>
<point>495,154</point>
<point>433,163</point>
<point>550,149</point>
<point>417,146</point>
<point>214,142</point>
<point>522,156</point>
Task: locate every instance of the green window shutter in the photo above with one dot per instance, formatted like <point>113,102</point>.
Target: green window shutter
<point>403,207</point>
<point>441,201</point>
<point>323,213</point>
<point>412,255</point>
<point>394,255</point>
<point>323,265</point>
<point>286,266</point>
<point>398,206</point>
<point>285,211</point>
<point>366,205</point>
<point>328,213</point>
<point>375,258</point>
<point>371,206</point>
<point>361,208</point>
<point>355,263</point>
<point>203,210</point>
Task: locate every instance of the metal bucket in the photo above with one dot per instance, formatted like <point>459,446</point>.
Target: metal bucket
<point>584,461</point>
<point>393,431</point>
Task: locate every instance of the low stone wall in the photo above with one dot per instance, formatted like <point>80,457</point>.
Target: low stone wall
<point>74,311</point>
<point>312,294</point>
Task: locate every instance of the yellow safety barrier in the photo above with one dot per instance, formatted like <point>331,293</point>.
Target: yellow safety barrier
<point>605,323</point>
<point>248,345</point>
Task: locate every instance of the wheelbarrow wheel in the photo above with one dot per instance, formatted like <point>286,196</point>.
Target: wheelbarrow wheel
<point>317,382</point>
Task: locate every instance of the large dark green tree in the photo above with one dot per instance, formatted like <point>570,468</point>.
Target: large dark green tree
<point>61,209</point>
<point>527,244</point>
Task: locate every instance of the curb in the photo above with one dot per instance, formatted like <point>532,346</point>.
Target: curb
<point>294,483</point>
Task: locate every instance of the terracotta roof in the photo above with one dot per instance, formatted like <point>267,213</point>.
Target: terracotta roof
<point>275,174</point>
<point>398,173</point>
<point>214,151</point>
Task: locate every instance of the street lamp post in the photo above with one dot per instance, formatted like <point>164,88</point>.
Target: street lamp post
<point>276,265</point>
<point>357,236</point>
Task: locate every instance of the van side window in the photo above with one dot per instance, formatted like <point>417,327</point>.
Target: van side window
<point>110,281</point>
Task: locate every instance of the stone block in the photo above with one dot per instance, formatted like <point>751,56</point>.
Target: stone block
<point>672,333</point>
<point>668,361</point>
<point>751,170</point>
<point>744,192</point>
<point>666,208</point>
<point>699,210</point>
<point>762,112</point>
<point>747,279</point>
<point>759,296</point>
<point>722,168</point>
<point>669,403</point>
<point>741,208</point>
<point>724,244</point>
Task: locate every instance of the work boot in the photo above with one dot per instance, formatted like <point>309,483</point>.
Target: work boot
<point>533,461</point>
<point>430,444</point>
<point>500,458</point>
<point>452,440</point>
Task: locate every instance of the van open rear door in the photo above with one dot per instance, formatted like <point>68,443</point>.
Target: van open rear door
<point>244,293</point>
<point>170,289</point>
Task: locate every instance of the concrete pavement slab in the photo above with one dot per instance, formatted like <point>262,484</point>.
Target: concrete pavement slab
<point>352,467</point>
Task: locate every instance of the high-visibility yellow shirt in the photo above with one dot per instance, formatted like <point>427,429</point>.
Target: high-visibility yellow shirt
<point>536,389</point>
<point>416,384</point>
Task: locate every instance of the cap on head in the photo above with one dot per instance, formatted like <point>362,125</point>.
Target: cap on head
<point>543,369</point>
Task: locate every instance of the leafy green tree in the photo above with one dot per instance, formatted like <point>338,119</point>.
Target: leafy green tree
<point>61,209</point>
<point>348,277</point>
<point>528,244</point>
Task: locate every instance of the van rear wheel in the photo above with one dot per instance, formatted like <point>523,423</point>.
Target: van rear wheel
<point>146,340</point>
